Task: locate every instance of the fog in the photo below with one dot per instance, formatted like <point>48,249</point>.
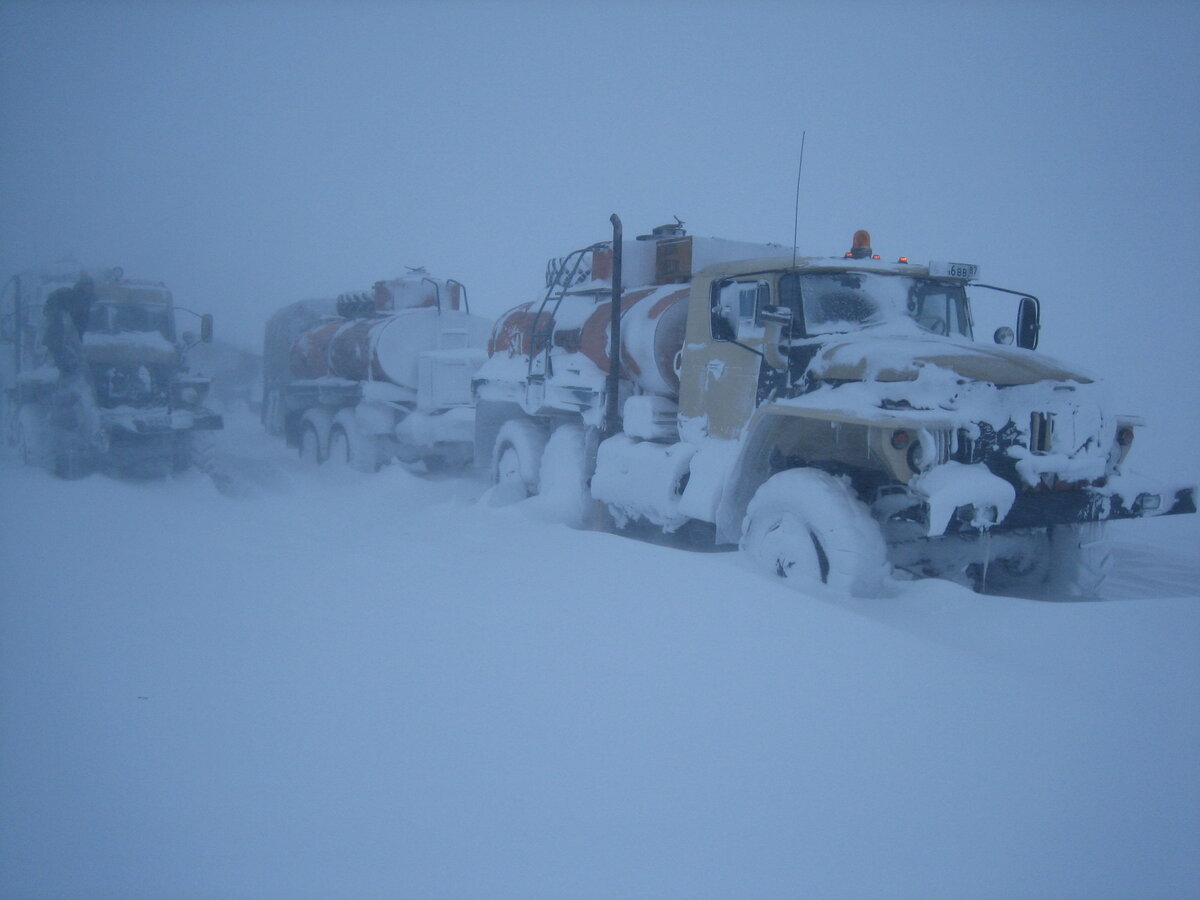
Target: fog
<point>230,695</point>
<point>252,154</point>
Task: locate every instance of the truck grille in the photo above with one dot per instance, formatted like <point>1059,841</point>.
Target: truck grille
<point>1041,432</point>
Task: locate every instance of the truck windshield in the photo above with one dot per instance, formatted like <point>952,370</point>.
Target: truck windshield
<point>836,302</point>
<point>120,318</point>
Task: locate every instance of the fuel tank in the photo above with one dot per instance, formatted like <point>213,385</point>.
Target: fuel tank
<point>382,348</point>
<point>653,322</point>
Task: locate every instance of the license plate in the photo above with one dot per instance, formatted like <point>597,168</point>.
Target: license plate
<point>968,271</point>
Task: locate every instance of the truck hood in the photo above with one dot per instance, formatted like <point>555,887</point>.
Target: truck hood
<point>900,358</point>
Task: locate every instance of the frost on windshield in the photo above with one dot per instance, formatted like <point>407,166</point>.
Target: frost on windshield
<point>838,302</point>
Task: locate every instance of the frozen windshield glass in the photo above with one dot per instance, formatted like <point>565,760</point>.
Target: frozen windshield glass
<point>834,302</point>
<point>117,318</point>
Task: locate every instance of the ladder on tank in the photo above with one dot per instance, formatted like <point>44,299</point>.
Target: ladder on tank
<point>560,278</point>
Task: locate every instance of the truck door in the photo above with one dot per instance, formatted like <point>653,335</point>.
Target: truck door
<point>720,375</point>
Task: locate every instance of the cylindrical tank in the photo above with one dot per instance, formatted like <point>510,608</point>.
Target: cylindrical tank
<point>653,321</point>
<point>384,348</point>
<point>652,331</point>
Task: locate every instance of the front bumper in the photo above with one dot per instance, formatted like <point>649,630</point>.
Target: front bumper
<point>1041,508</point>
<point>140,422</point>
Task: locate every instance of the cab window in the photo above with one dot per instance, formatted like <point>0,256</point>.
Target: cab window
<point>737,308</point>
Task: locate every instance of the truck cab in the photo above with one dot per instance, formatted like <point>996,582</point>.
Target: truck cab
<point>150,408</point>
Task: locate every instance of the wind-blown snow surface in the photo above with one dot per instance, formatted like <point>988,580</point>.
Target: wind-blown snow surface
<point>373,686</point>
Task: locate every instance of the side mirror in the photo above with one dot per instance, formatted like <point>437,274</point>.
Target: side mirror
<point>206,328</point>
<point>1028,323</point>
<point>776,319</point>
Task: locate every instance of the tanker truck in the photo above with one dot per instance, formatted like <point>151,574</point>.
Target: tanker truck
<point>133,408</point>
<point>837,418</point>
<point>376,375</point>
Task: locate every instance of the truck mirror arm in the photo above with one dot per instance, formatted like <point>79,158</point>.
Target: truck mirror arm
<point>757,353</point>
<point>1029,316</point>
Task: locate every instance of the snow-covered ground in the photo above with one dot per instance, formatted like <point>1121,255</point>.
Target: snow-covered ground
<point>343,685</point>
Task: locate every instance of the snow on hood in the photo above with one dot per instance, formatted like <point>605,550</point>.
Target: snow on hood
<point>901,357</point>
<point>928,384</point>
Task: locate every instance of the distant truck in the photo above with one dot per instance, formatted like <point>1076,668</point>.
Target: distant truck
<point>149,412</point>
<point>376,375</point>
<point>832,416</point>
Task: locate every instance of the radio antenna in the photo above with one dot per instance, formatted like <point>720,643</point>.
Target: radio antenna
<point>796,219</point>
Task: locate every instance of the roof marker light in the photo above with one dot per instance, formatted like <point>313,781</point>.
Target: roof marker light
<point>903,259</point>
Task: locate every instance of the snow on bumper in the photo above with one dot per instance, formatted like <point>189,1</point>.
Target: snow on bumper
<point>953,486</point>
<point>965,499</point>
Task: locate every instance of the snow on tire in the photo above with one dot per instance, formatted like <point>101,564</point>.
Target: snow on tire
<point>807,527</point>
<point>315,426</point>
<point>339,447</point>
<point>30,436</point>
<point>1080,561</point>
<point>516,462</point>
<point>563,494</point>
<point>357,450</point>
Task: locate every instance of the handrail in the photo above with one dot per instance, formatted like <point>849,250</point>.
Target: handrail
<point>437,292</point>
<point>563,285</point>
<point>462,287</point>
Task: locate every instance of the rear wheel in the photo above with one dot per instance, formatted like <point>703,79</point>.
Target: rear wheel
<point>29,436</point>
<point>310,446</point>
<point>349,446</point>
<point>339,447</point>
<point>563,482</point>
<point>806,527</point>
<point>516,462</point>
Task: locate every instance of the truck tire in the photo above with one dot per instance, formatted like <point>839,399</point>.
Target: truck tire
<point>310,445</point>
<point>30,436</point>
<point>516,462</point>
<point>339,447</point>
<point>348,446</point>
<point>1080,560</point>
<point>564,480</point>
<point>274,412</point>
<point>315,427</point>
<point>1062,562</point>
<point>808,528</point>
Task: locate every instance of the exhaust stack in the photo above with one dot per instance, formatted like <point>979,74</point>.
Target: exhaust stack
<point>612,415</point>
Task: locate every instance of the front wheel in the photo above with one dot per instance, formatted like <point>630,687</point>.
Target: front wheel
<point>808,528</point>
<point>1080,561</point>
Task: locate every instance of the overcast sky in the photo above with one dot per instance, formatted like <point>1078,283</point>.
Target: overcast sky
<point>252,153</point>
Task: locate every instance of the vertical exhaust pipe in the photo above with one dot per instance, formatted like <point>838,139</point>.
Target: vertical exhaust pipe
<point>612,415</point>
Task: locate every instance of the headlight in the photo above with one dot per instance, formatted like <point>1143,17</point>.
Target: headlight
<point>188,393</point>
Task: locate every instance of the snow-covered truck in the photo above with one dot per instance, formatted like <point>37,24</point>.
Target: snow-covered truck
<point>376,375</point>
<point>835,417</point>
<point>135,411</point>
